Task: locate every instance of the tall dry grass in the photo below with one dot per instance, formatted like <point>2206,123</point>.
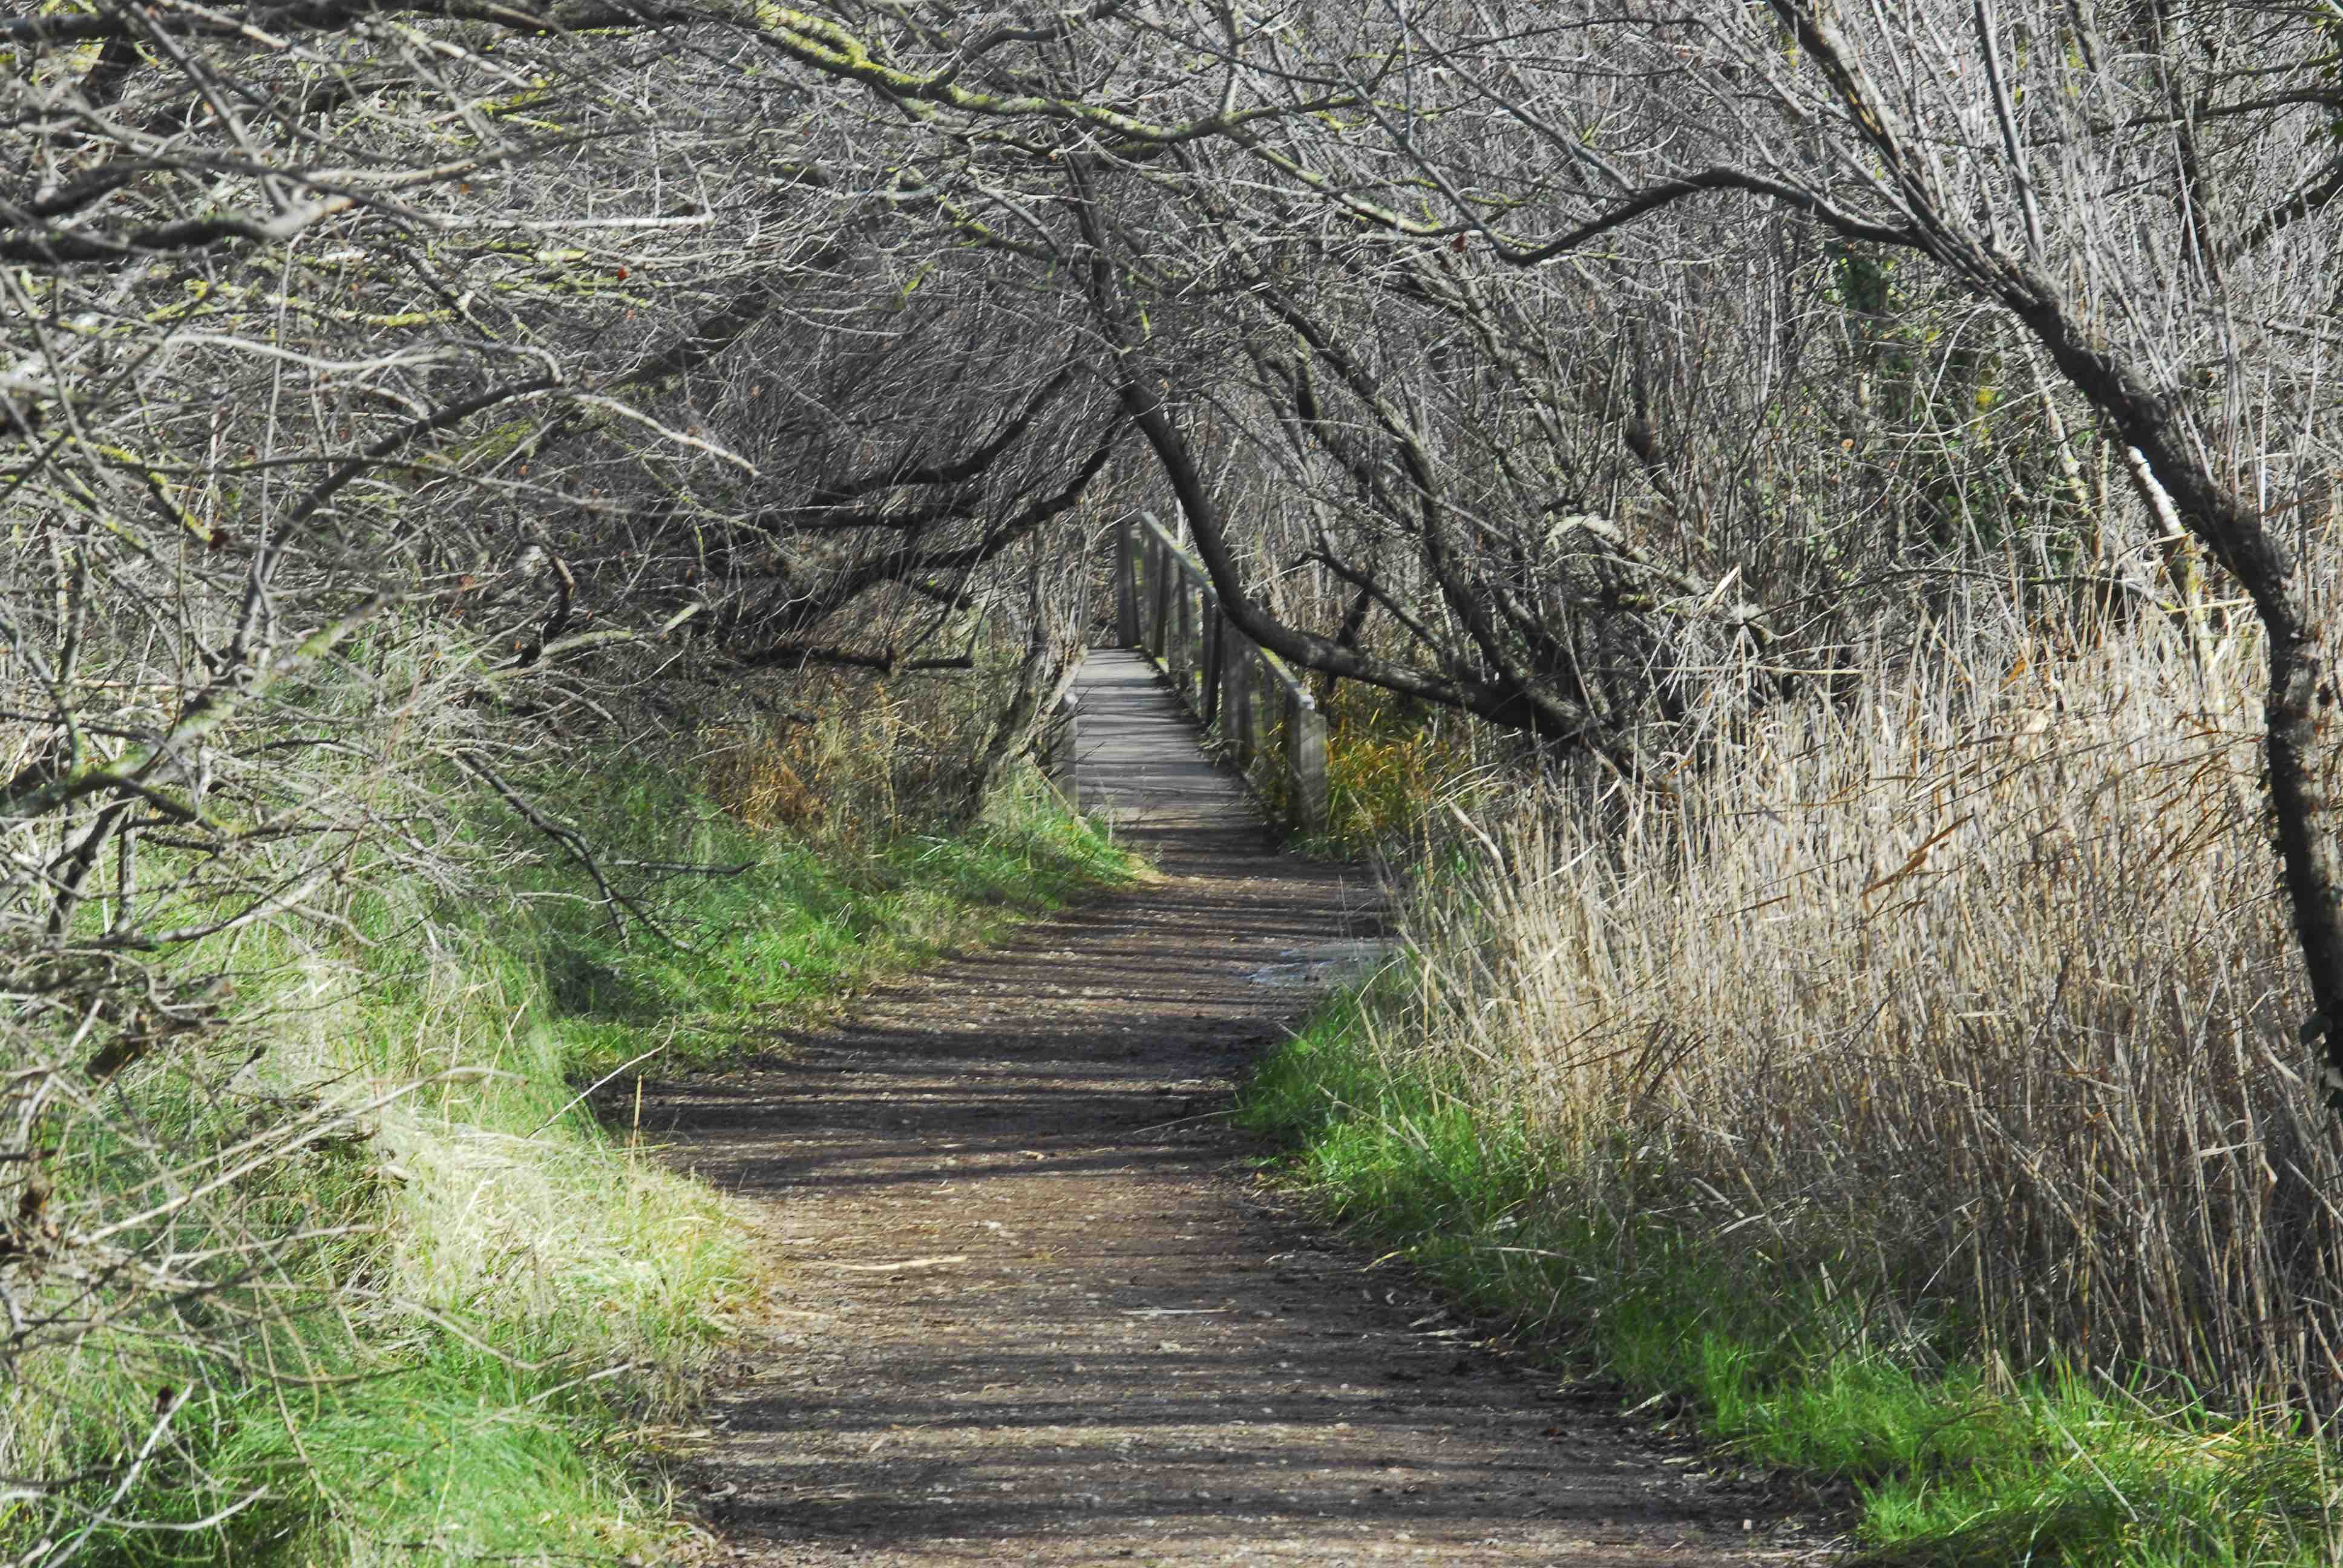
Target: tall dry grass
<point>1389,761</point>
<point>1973,999</point>
<point>855,759</point>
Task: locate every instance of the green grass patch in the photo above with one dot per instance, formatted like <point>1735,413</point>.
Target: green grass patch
<point>451,1455</point>
<point>1786,1354</point>
<point>799,930</point>
<point>449,1326</point>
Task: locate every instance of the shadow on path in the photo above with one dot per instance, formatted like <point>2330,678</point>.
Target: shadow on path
<point>1033,1309</point>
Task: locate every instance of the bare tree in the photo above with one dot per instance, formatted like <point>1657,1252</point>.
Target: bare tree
<point>506,378</point>
<point>2142,190</point>
<point>394,398</point>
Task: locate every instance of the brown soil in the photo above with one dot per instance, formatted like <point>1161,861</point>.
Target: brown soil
<point>1036,1307</point>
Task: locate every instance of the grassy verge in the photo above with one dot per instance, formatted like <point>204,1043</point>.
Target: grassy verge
<point>797,931</point>
<point>1947,1459</point>
<point>410,1301</point>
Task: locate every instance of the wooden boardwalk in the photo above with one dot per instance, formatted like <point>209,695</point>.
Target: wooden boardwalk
<point>1137,762</point>
<point>1266,718</point>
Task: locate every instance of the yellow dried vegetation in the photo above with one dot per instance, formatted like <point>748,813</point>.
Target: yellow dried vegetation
<point>1390,763</point>
<point>851,758</point>
<point>1976,994</point>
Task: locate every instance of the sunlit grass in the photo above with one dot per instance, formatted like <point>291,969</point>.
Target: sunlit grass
<point>502,1296</point>
<point>1948,1460</point>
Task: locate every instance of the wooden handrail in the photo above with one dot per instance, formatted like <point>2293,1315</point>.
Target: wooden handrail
<point>1165,608</point>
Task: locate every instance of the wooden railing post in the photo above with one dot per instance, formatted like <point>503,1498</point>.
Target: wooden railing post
<point>1126,584</point>
<point>1181,661</point>
<point>1208,685</point>
<point>1305,761</point>
<point>1143,584</point>
<point>1193,687</point>
<point>1062,753</point>
<point>1236,701</point>
<point>1164,578</point>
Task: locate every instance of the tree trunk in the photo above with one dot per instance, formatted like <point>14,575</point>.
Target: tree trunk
<point>1044,677</point>
<point>2301,661</point>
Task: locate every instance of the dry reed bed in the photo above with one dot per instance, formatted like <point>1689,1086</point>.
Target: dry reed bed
<point>1974,998</point>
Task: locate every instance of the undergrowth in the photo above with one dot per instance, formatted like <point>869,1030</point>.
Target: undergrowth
<point>1393,763</point>
<point>1389,761</point>
<point>426,1305</point>
<point>787,929</point>
<point>1912,1093</point>
<point>1948,1461</point>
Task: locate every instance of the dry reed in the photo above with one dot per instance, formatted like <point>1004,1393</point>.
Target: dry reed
<point>1973,996</point>
<point>855,758</point>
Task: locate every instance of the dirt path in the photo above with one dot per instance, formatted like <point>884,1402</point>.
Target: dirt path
<point>1036,1311</point>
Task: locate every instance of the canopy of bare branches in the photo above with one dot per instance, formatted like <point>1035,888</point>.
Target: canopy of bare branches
<point>394,394</point>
